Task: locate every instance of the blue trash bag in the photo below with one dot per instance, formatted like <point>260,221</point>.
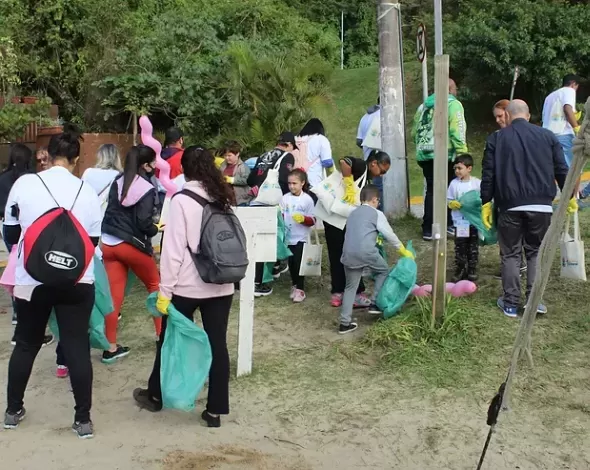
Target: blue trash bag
<point>186,359</point>
<point>398,285</point>
<point>471,210</point>
<point>103,305</point>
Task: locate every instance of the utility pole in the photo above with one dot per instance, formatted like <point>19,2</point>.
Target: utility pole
<point>395,184</point>
<point>342,41</point>
<point>441,165</point>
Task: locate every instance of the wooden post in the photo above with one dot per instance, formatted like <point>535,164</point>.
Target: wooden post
<point>246,317</point>
<point>134,117</point>
<point>441,165</point>
<point>395,185</point>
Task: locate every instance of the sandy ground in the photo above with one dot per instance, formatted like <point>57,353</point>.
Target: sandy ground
<point>369,426</point>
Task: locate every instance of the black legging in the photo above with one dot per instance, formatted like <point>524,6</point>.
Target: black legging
<point>73,306</point>
<point>215,315</point>
<point>335,242</point>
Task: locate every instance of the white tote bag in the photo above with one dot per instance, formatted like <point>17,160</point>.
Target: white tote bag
<point>373,137</point>
<point>573,265</point>
<point>311,259</point>
<point>270,192</point>
<point>329,189</point>
<point>344,209</point>
<point>322,214</point>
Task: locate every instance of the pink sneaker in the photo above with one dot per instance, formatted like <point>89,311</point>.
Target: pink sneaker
<point>362,301</point>
<point>336,300</point>
<point>299,296</point>
<point>293,290</point>
<point>62,372</point>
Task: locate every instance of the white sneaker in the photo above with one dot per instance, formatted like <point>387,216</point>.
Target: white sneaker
<point>293,290</point>
<point>299,296</point>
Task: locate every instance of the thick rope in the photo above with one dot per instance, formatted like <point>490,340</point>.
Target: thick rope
<point>522,343</point>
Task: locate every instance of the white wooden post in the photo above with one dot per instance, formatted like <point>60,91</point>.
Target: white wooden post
<point>260,225</point>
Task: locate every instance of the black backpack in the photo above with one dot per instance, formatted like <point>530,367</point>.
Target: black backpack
<point>57,249</point>
<point>222,257</point>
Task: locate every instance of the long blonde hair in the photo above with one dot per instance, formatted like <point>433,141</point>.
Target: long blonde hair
<point>108,158</point>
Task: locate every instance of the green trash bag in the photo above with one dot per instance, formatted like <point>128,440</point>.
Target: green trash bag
<point>186,359</point>
<point>471,210</point>
<point>283,251</point>
<point>398,285</point>
<point>103,305</point>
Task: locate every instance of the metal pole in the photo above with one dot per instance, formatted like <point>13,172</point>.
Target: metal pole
<point>514,80</point>
<point>424,79</point>
<point>438,33</point>
<point>342,41</point>
<point>395,186</point>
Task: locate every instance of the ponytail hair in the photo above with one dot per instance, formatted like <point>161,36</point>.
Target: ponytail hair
<point>199,165</point>
<point>302,175</point>
<point>65,145</point>
<point>20,160</point>
<point>137,156</point>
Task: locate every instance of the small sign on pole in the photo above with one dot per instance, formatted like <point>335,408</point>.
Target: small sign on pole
<point>421,54</point>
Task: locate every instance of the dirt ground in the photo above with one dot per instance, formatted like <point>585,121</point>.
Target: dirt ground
<point>304,407</point>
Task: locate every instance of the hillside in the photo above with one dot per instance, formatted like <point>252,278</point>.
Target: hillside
<point>356,89</point>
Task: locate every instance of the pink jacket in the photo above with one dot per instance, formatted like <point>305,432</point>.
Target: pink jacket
<point>178,273</point>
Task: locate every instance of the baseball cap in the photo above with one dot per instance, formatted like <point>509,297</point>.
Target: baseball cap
<point>288,138</point>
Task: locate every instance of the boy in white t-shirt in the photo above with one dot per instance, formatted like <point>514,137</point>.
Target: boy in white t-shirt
<point>297,207</point>
<point>466,235</point>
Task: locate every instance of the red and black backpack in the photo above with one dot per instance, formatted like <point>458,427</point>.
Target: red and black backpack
<point>57,249</point>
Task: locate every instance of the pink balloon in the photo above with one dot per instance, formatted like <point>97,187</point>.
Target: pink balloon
<point>463,288</point>
<point>148,139</point>
<point>422,291</point>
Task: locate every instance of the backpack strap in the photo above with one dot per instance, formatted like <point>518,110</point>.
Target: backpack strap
<point>52,197</point>
<point>195,197</point>
<point>106,187</point>
<point>278,163</point>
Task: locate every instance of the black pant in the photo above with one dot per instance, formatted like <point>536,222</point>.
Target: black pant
<point>428,171</point>
<point>295,264</point>
<point>259,273</point>
<point>73,306</point>
<point>467,252</point>
<point>518,230</point>
<point>335,242</point>
<point>215,314</point>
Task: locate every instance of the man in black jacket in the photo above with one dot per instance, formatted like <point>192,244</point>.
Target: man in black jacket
<point>520,166</point>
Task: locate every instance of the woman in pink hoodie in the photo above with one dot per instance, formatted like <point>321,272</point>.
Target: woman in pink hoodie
<point>182,286</point>
<point>127,231</point>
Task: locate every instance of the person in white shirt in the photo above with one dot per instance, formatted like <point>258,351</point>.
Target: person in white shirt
<point>31,197</point>
<point>559,115</point>
<point>374,112</point>
<point>108,167</point>
<point>297,207</point>
<point>318,150</point>
<point>466,235</point>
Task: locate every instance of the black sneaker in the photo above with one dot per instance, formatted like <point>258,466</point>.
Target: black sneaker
<point>262,290</point>
<point>450,233</point>
<point>47,340</point>
<point>344,329</point>
<point>212,421</point>
<point>11,420</point>
<point>280,268</point>
<point>427,237</point>
<point>111,357</point>
<point>145,401</point>
<point>374,310</point>
<point>83,430</point>
<point>472,275</point>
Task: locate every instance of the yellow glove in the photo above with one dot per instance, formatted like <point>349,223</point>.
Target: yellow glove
<point>229,179</point>
<point>454,205</point>
<point>577,130</point>
<point>349,190</point>
<point>572,207</point>
<point>379,240</point>
<point>160,226</point>
<point>405,253</point>
<point>299,218</point>
<point>162,304</point>
<point>486,215</point>
<point>219,161</point>
<point>578,115</point>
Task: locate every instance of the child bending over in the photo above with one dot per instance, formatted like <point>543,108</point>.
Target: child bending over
<point>466,236</point>
<point>297,207</point>
<point>360,251</point>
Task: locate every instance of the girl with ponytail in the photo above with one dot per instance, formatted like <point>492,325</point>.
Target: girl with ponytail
<point>127,230</point>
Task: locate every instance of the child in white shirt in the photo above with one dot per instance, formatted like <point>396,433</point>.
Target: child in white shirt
<point>466,236</point>
<point>297,207</point>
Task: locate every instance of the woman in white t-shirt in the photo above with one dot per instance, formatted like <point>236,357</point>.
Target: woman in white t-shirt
<point>314,144</point>
<point>108,167</point>
<point>31,197</point>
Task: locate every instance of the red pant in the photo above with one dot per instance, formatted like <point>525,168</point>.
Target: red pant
<point>117,262</point>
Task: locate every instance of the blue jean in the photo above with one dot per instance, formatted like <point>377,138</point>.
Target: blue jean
<point>378,181</point>
<point>567,144</point>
